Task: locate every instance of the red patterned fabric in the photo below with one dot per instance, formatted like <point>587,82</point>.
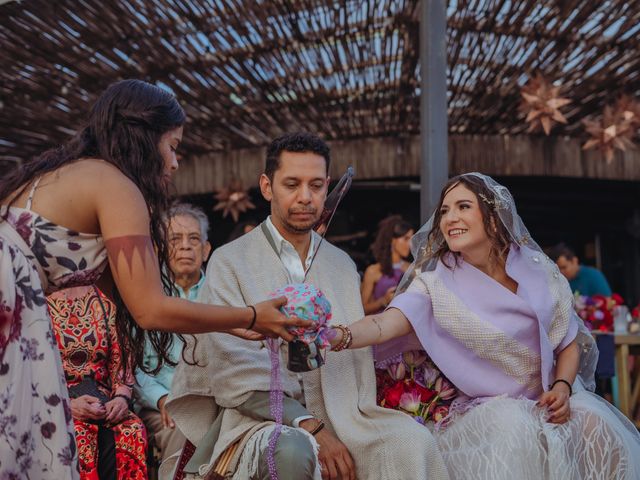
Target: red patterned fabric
<point>87,349</point>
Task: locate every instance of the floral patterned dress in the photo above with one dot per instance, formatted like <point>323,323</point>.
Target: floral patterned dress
<point>89,349</point>
<point>36,429</point>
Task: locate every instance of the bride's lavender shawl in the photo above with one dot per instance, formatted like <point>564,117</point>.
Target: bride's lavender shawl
<point>487,340</point>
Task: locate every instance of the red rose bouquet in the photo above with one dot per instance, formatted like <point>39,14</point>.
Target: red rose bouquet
<point>598,311</point>
<point>415,386</point>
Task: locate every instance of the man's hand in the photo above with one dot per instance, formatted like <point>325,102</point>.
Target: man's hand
<point>335,460</point>
<point>557,403</point>
<point>167,421</point>
<point>87,408</point>
<point>117,410</point>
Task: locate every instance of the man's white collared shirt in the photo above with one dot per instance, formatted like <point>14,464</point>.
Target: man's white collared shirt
<point>292,263</point>
<point>289,256</point>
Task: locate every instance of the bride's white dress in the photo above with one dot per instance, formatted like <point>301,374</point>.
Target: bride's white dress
<point>510,439</point>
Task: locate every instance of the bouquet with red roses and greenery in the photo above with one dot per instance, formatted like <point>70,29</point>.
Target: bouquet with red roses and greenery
<point>415,386</point>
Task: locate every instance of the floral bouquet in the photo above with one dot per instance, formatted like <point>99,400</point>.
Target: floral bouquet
<point>598,311</point>
<point>414,385</point>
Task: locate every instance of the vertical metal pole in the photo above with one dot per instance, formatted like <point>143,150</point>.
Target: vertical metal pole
<point>434,160</point>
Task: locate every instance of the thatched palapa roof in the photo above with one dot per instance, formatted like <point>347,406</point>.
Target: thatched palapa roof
<point>248,70</point>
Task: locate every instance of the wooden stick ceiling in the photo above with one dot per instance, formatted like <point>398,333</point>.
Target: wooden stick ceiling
<point>246,71</point>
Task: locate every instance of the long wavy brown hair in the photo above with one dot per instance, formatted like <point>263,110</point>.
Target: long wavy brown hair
<point>389,228</point>
<point>493,226</point>
<point>124,128</point>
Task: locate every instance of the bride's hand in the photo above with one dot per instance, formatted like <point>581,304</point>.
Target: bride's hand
<point>271,322</point>
<point>557,403</point>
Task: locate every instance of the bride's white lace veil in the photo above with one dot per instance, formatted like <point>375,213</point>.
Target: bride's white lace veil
<point>424,248</point>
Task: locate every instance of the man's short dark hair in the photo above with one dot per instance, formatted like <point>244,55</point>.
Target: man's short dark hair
<point>561,250</point>
<point>295,142</point>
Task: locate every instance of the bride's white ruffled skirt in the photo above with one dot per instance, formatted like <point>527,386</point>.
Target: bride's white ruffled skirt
<point>510,439</point>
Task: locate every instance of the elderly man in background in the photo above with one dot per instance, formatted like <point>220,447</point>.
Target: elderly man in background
<point>189,249</point>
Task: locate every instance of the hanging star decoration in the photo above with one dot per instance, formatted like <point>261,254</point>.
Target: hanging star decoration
<point>615,129</point>
<point>629,111</point>
<point>541,104</point>
<point>233,200</point>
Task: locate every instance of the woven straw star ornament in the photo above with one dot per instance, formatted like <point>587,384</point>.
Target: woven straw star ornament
<point>615,129</point>
<point>542,103</point>
<point>233,200</point>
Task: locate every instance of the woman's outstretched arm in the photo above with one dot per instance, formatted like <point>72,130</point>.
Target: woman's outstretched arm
<point>375,329</point>
<point>124,224</point>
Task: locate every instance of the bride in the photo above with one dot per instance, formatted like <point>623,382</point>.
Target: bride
<point>497,319</point>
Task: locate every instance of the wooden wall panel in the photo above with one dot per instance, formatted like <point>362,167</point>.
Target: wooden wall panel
<point>387,157</point>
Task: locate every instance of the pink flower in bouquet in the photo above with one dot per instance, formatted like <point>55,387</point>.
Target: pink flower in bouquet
<point>410,401</point>
<point>426,394</point>
<point>445,389</point>
<point>414,358</point>
<point>617,299</point>
<point>440,412</point>
<point>393,394</point>
<point>397,371</point>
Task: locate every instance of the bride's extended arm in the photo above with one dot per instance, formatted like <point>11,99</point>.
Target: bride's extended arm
<point>375,329</point>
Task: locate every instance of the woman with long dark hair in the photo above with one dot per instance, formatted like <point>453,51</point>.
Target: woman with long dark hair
<point>391,249</point>
<point>95,202</point>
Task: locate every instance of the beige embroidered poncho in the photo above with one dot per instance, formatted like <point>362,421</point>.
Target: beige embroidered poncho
<point>385,444</point>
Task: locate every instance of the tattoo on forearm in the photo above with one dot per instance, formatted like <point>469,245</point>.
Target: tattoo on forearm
<point>127,245</point>
<point>377,322</point>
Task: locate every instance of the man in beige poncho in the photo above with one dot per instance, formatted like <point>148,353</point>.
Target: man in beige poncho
<point>332,425</point>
